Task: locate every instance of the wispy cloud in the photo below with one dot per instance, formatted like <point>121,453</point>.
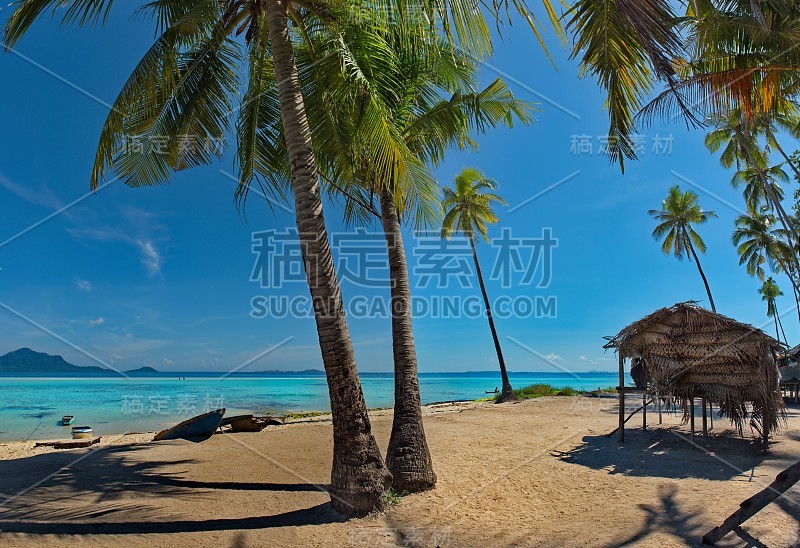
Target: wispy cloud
<point>139,229</point>
<point>554,357</point>
<point>130,225</point>
<point>151,258</point>
<point>97,321</point>
<point>84,285</point>
<point>40,195</point>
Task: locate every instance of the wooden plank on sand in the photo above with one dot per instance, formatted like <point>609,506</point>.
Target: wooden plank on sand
<point>750,507</point>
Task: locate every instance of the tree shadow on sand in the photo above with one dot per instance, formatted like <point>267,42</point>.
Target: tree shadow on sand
<point>36,493</point>
<point>666,516</point>
<point>667,453</point>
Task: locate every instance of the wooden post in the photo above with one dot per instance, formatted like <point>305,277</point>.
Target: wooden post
<point>621,396</point>
<point>644,412</point>
<point>711,412</point>
<point>660,418</point>
<point>705,417</point>
<point>691,416</point>
<point>750,507</point>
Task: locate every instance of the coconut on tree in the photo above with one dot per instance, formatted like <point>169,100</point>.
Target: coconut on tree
<point>679,213</point>
<point>468,212</point>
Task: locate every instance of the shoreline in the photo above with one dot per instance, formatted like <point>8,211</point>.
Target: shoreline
<point>22,448</point>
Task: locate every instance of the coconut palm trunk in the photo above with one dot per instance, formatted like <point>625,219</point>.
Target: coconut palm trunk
<point>780,323</point>
<point>702,275</point>
<point>783,153</point>
<point>407,457</point>
<point>507,393</point>
<point>359,477</point>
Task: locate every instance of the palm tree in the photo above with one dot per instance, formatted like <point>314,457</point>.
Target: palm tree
<point>468,211</point>
<point>436,107</point>
<point>679,212</point>
<point>715,57</point>
<point>754,240</point>
<point>184,86</point>
<point>769,292</point>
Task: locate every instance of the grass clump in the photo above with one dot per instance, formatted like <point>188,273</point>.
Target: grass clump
<point>392,498</point>
<point>305,415</point>
<point>540,389</point>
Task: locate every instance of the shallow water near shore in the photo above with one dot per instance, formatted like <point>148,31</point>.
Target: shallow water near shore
<point>31,407</point>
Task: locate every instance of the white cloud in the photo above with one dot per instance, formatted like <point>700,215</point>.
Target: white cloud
<point>168,361</point>
<point>584,358</point>
<point>151,258</point>
<point>98,321</point>
<point>84,285</point>
<point>553,357</point>
<point>140,230</point>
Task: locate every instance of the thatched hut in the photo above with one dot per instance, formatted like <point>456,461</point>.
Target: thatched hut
<point>685,352</point>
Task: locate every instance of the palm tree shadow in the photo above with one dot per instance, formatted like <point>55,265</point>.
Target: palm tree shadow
<point>119,486</point>
<point>667,517</point>
<point>316,515</point>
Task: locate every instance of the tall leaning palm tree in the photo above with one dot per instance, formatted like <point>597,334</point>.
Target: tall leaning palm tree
<point>679,212</point>
<point>770,292</point>
<point>424,93</point>
<point>184,86</point>
<point>468,211</point>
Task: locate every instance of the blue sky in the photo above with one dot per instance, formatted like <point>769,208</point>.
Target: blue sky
<point>161,276</point>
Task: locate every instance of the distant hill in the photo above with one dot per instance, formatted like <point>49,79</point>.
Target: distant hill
<point>144,369</point>
<point>279,372</point>
<point>26,360</point>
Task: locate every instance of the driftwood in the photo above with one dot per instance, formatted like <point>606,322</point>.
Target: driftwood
<point>248,423</point>
<point>68,444</point>
<point>750,507</point>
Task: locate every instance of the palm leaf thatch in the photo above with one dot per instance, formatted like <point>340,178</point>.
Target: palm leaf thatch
<point>688,352</point>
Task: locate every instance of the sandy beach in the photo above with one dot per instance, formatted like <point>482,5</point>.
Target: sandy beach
<point>537,473</point>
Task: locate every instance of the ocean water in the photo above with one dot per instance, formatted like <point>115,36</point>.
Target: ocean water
<point>31,407</point>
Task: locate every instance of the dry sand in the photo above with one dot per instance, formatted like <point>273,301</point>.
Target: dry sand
<point>537,473</point>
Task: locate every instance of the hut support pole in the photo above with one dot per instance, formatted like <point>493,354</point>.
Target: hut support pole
<point>644,412</point>
<point>660,418</point>
<point>691,416</point>
<point>711,413</point>
<point>705,418</point>
<point>621,430</point>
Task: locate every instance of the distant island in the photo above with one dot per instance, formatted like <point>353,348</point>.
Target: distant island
<point>145,369</point>
<point>26,360</point>
<point>280,372</point>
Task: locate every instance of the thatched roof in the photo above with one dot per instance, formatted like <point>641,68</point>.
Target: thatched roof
<point>688,351</point>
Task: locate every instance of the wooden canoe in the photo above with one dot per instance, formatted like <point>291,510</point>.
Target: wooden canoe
<point>196,429</point>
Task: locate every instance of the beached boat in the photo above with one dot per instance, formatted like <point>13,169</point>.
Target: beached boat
<point>197,428</point>
<point>66,420</point>
<point>82,432</point>
<point>249,423</point>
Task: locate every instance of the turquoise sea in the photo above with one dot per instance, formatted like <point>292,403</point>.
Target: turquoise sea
<point>31,407</point>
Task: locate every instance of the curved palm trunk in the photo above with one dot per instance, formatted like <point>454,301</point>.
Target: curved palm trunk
<point>780,323</point>
<point>407,457</point>
<point>703,275</point>
<point>507,393</point>
<point>785,156</point>
<point>359,477</point>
